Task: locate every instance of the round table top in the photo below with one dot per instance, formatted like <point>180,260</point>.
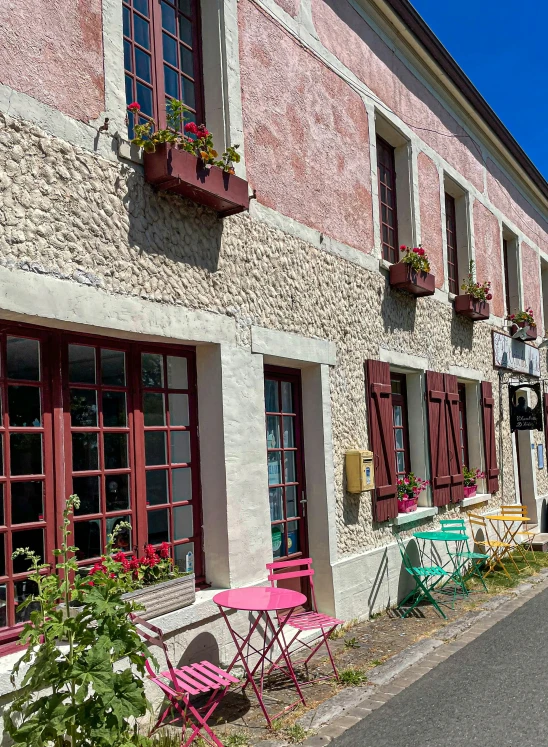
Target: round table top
<point>506,517</point>
<point>441,536</point>
<point>259,599</point>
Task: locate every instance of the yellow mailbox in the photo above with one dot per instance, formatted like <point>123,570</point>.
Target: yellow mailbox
<point>360,472</point>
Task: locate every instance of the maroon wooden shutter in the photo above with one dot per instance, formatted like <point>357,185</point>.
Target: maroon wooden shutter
<point>437,432</point>
<point>489,438</point>
<point>453,438</point>
<point>381,439</point>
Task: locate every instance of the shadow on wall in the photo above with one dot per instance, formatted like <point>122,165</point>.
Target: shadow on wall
<point>167,225</point>
<point>542,517</point>
<point>381,577</point>
<point>204,646</point>
<point>462,332</point>
<point>398,310</point>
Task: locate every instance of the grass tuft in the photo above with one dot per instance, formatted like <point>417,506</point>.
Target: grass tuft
<point>352,677</point>
<point>236,739</point>
<point>351,643</point>
<point>295,733</point>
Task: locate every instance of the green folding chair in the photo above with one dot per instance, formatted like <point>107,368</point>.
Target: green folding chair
<point>425,577</point>
<point>463,555</point>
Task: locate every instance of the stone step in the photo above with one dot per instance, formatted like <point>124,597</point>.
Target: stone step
<point>540,542</point>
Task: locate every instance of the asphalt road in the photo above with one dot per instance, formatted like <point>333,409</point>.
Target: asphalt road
<point>493,693</point>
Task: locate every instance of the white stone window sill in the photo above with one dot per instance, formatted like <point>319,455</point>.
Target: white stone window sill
<point>384,264</point>
<point>475,499</point>
<point>422,512</point>
<point>129,152</point>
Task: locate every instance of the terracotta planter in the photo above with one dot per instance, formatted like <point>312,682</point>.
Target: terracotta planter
<point>404,277</point>
<point>172,170</point>
<point>472,308</point>
<point>406,507</point>
<point>531,332</point>
<point>165,597</point>
<point>470,491</point>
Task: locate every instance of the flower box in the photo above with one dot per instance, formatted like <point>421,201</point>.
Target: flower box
<point>179,172</point>
<point>472,308</point>
<point>167,596</point>
<point>404,277</point>
<point>531,332</point>
<point>405,507</point>
<point>470,491</point>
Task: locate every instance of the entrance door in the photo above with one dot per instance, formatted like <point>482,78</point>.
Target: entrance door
<point>286,485</point>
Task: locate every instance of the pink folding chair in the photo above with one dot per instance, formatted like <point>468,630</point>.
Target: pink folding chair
<point>178,685</point>
<point>307,621</point>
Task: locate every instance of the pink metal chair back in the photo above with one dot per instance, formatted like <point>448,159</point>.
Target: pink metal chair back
<point>288,569</point>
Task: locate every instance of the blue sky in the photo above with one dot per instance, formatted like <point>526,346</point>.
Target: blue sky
<point>501,45</point>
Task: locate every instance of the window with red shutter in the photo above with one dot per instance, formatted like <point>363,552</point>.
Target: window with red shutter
<point>489,437</point>
<point>453,421</point>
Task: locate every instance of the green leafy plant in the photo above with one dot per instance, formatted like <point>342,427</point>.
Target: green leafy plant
<point>351,643</point>
<point>471,476</point>
<point>481,291</point>
<point>189,136</point>
<point>295,733</point>
<point>75,691</point>
<point>376,662</point>
<point>236,739</point>
<point>521,318</point>
<point>352,677</point>
<point>416,257</point>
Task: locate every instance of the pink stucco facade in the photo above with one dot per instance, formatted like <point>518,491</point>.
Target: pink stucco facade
<point>290,6</point>
<point>430,212</point>
<point>531,283</point>
<point>307,138</point>
<point>488,254</point>
<point>54,52</point>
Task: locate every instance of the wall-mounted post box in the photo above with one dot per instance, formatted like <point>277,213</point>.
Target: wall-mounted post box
<point>360,472</point>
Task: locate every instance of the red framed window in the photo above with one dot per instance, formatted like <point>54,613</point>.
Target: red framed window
<point>506,276</point>
<point>452,253</point>
<point>400,424</point>
<point>463,427</point>
<point>112,421</point>
<point>387,200</point>
<point>162,57</point>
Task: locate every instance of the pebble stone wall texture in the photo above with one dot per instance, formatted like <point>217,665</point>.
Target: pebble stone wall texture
<point>68,213</point>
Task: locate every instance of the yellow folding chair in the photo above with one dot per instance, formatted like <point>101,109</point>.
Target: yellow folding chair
<point>495,549</point>
<point>527,535</point>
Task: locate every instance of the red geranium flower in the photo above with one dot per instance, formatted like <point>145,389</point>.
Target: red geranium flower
<point>489,296</point>
<point>191,127</point>
<point>164,550</point>
<point>403,248</point>
<point>134,107</point>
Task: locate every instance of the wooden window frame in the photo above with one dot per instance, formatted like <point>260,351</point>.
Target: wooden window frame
<point>400,399</point>
<point>156,52</point>
<point>452,247</point>
<point>387,166</point>
<point>463,425</point>
<point>505,250</point>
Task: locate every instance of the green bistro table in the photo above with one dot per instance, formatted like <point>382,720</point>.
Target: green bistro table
<point>446,537</point>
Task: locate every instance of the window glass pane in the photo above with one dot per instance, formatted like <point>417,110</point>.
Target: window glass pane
<point>271,396</point>
<point>2,514</point>
<point>157,492</point>
<point>185,30</point>
<point>291,501</point>
<point>181,484</point>
<point>180,447</point>
<point>117,492</point>
<point>158,526</point>
<point>154,408</point>
<point>122,538</point>
<point>31,538</point>
<point>144,98</point>
<point>189,95</point>
<point>274,468</point>
<point>184,7</point>
<point>115,450</point>
<point>272,432</point>
<point>142,65</point>
<point>170,49</point>
<point>155,448</point>
<point>171,81</point>
<point>182,522</point>
<point>141,31</point>
<point>168,18</point>
<point>127,55</point>
<point>178,409</point>
<point>87,538</point>
<point>83,407</point>
<point>287,396</point>
<point>27,503</point>
<point>289,462</point>
<point>278,541</point>
<point>23,359</point>
<point>187,61</point>
<point>183,555</point>
<point>81,364</point>
<point>289,436</point>
<point>141,6</point>
<point>84,452</point>
<point>114,409</point>
<point>87,489</point>
<point>398,417</point>
<point>396,386</point>
<point>23,590</point>
<point>3,607</point>
<point>152,370</point>
<point>1,454</point>
<point>293,544</point>
<point>276,506</point>
<point>26,453</point>
<point>113,367</point>
<point>177,373</point>
<point>24,406</point>
<point>400,462</point>
<point>2,561</point>
<point>127,21</point>
<point>398,436</point>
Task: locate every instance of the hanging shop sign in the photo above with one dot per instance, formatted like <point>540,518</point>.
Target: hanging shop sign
<point>525,407</point>
<point>515,355</point>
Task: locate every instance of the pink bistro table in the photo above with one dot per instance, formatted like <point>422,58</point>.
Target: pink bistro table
<point>263,601</point>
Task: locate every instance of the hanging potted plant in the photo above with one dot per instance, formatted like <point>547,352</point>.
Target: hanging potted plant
<point>412,272</point>
<point>473,303</point>
<point>409,488</point>
<point>471,476</point>
<point>523,319</point>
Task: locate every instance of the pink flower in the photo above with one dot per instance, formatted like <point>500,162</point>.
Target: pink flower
<point>134,107</point>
